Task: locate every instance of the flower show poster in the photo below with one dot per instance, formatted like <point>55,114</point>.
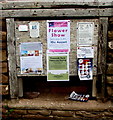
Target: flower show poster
<point>85,68</point>
<point>57,67</point>
<point>31,58</point>
<point>58,35</point>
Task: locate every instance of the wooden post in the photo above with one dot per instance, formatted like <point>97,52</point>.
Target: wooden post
<point>102,53</point>
<point>14,91</point>
<point>20,80</point>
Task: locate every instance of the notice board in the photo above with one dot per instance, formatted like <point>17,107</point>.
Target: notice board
<point>36,32</point>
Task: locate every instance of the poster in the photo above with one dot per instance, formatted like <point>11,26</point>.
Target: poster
<point>57,67</point>
<point>85,33</point>
<point>34,29</point>
<point>58,35</point>
<point>31,58</point>
<point>85,69</point>
<point>85,52</point>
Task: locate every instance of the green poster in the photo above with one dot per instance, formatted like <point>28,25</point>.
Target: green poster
<point>57,62</point>
<point>58,67</point>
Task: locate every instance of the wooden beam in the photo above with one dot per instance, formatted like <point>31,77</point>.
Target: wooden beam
<point>77,12</point>
<point>12,58</point>
<point>15,5</point>
<point>102,54</point>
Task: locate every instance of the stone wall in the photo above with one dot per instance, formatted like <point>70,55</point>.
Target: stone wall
<point>110,59</point>
<point>4,85</point>
<point>45,114</point>
<point>57,110</point>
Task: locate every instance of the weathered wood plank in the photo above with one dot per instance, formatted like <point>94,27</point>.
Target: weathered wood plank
<point>106,12</point>
<point>94,89</point>
<point>3,56</point>
<point>13,5</point>
<point>4,89</point>
<point>50,12</point>
<point>20,80</point>
<point>102,54</point>
<point>57,12</point>
<point>12,58</point>
<point>3,78</point>
<point>89,12</point>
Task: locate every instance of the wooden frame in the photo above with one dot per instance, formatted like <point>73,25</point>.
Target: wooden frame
<point>102,14</point>
<point>14,88</point>
<point>102,54</point>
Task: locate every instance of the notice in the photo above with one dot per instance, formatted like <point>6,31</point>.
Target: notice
<point>34,29</point>
<point>58,35</point>
<point>57,67</point>
<point>85,33</point>
<point>23,28</point>
<point>85,69</point>
<point>85,52</point>
<point>31,58</point>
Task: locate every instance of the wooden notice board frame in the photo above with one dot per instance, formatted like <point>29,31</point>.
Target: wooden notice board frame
<point>16,81</point>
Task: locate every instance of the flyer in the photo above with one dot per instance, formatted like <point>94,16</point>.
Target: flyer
<point>58,35</point>
<point>57,67</point>
<point>31,58</point>
<point>34,29</point>
<point>85,33</point>
<point>23,28</point>
<point>85,69</point>
<point>85,52</point>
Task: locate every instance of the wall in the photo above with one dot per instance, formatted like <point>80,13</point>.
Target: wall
<point>4,88</point>
<point>110,59</point>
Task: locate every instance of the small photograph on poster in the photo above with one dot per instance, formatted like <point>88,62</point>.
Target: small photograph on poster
<point>31,58</point>
<point>85,70</point>
<point>58,35</point>
<point>85,33</point>
<point>57,67</point>
<point>85,52</point>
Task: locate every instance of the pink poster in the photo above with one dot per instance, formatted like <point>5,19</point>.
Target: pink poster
<point>58,35</point>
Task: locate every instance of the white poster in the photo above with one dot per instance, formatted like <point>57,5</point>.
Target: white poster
<point>85,33</point>
<point>31,58</point>
<point>34,29</point>
<point>57,67</point>
<point>23,28</point>
<point>85,52</point>
<point>58,35</point>
<point>85,68</point>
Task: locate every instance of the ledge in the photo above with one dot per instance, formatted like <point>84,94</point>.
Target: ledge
<point>57,103</point>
